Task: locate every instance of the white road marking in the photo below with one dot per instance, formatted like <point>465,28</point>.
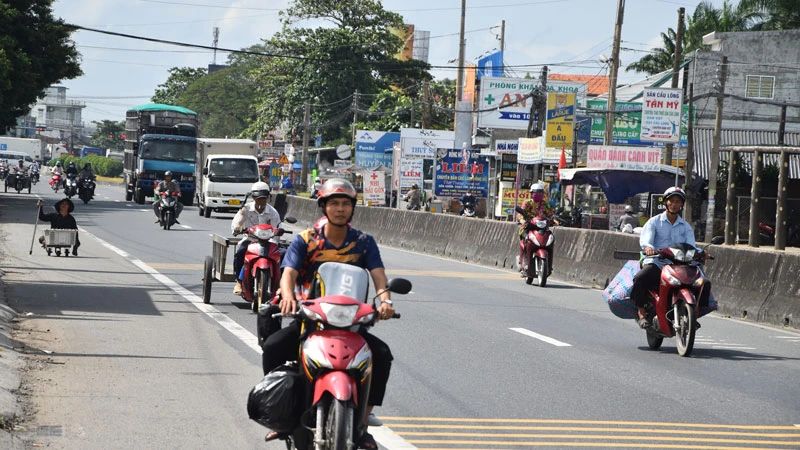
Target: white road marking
<point>541,337</point>
<point>118,201</point>
<point>728,347</point>
<point>144,210</point>
<point>385,436</point>
<point>792,338</point>
<point>128,205</point>
<point>187,227</point>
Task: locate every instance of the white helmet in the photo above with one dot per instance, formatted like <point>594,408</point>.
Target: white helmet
<point>674,191</point>
<point>259,189</point>
<point>537,187</point>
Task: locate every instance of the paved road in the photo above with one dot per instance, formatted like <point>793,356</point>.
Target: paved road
<point>481,360</point>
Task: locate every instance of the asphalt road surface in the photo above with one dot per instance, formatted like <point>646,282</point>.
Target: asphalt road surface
<point>127,356</point>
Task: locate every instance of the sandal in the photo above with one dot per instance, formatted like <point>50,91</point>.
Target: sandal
<point>643,323</point>
<point>273,435</point>
<point>367,442</point>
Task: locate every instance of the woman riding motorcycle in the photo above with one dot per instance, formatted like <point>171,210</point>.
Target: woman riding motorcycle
<point>537,205</point>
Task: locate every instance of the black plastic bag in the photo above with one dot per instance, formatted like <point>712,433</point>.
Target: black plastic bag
<point>275,401</point>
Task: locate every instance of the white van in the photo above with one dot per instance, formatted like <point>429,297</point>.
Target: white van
<point>14,157</point>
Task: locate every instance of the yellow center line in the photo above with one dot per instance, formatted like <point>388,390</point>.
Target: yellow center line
<point>572,444</point>
<point>601,437</point>
<point>592,429</point>
<point>588,422</point>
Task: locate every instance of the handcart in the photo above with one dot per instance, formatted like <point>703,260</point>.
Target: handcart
<point>214,265</point>
<point>56,240</point>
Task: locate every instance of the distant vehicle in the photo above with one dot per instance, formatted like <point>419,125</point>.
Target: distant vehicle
<point>86,151</point>
<point>159,138</point>
<point>14,157</point>
<point>30,147</point>
<point>116,155</point>
<point>225,171</point>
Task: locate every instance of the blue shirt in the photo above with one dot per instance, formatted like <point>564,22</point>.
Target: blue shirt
<point>310,249</point>
<point>658,233</point>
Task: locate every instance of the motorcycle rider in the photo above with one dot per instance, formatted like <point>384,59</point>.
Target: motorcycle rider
<point>315,188</point>
<point>254,213</point>
<point>61,220</point>
<point>87,174</point>
<point>659,232</point>
<point>332,240</point>
<point>537,205</point>
<point>72,169</point>
<point>628,219</point>
<point>413,198</point>
<point>468,201</point>
<point>34,168</point>
<point>168,186</point>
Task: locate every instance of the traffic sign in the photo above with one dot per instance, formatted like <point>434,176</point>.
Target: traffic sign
<point>343,151</point>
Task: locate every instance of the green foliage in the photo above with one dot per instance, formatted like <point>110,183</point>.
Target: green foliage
<point>179,79</point>
<point>35,52</point>
<point>101,165</point>
<point>394,108</point>
<point>108,134</point>
<point>660,58</point>
<point>355,51</point>
<point>776,14</point>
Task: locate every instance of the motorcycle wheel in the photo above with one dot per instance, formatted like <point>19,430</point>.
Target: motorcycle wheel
<point>685,331</point>
<point>541,272</point>
<point>339,425</point>
<point>85,199</point>
<point>168,220</point>
<point>138,196</point>
<point>262,290</point>
<point>58,252</point>
<point>654,340</point>
<point>29,189</point>
<point>128,195</point>
<point>207,213</point>
<point>49,251</point>
<point>208,267</point>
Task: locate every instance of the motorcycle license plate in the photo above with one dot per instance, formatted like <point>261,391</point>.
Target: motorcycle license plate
<point>234,201</point>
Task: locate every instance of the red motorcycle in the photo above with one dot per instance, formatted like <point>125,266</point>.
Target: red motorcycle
<point>335,361</point>
<point>536,260</point>
<point>262,263</point>
<point>675,306</point>
<point>55,182</point>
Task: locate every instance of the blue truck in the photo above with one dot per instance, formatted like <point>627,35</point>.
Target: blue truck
<point>86,151</point>
<point>159,138</point>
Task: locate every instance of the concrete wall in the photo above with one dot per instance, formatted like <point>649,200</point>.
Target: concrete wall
<point>757,284</point>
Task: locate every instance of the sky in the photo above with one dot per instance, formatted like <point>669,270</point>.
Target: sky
<point>571,35</point>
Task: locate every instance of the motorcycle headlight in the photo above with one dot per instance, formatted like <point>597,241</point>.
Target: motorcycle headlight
<point>672,280</point>
<point>690,255</point>
<point>340,316</point>
<point>264,235</point>
<point>678,254</point>
<point>311,315</point>
<point>541,224</point>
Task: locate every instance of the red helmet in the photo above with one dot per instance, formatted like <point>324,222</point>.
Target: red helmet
<point>336,187</point>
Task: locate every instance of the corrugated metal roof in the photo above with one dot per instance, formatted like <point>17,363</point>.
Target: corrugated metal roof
<point>703,139</point>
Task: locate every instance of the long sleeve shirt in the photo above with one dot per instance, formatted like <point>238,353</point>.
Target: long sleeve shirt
<point>248,216</point>
<point>658,233</point>
<point>57,221</point>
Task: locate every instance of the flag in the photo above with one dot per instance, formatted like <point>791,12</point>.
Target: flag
<point>562,162</point>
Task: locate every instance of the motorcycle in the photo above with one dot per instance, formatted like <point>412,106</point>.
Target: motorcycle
<point>569,218</point>
<point>34,177</point>
<point>55,182</point>
<point>335,362</point>
<point>675,307</point>
<point>468,209</point>
<point>70,186</point>
<point>86,189</point>
<point>262,262</point>
<point>536,258</point>
<point>3,172</point>
<point>18,181</point>
<point>167,208</point>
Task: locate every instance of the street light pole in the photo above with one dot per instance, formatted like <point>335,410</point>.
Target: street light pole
<point>612,78</point>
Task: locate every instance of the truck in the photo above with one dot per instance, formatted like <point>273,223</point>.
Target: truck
<point>87,150</point>
<point>159,138</point>
<point>31,147</point>
<point>226,169</point>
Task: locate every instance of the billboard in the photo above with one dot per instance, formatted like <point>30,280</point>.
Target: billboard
<point>645,159</point>
<point>422,143</point>
<point>627,124</point>
<point>508,168</point>
<point>374,148</point>
<point>410,173</point>
<point>491,65</point>
<point>560,119</point>
<point>455,178</point>
<point>661,115</point>
<point>506,146</point>
<point>505,103</point>
<point>529,151</point>
<point>375,188</point>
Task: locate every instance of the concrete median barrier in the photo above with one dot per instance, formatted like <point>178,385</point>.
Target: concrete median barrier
<point>757,284</point>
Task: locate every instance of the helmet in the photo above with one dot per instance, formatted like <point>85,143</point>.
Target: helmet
<point>628,209</point>
<point>336,187</point>
<point>537,187</point>
<point>58,164</point>
<point>72,164</point>
<point>259,189</point>
<point>87,166</point>
<point>168,173</point>
<point>675,190</point>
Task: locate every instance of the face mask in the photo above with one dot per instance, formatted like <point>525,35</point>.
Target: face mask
<point>538,196</point>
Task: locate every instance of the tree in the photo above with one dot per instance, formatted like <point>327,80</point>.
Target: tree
<point>179,79</point>
<point>108,134</point>
<point>356,52</point>
<point>223,101</point>
<point>659,59</point>
<point>35,52</point>
<point>777,14</point>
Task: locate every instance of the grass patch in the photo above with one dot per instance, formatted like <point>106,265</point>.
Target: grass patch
<point>114,180</point>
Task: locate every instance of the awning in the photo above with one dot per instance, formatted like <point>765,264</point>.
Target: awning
<point>618,185</point>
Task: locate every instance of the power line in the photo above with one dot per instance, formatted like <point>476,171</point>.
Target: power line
<point>146,50</point>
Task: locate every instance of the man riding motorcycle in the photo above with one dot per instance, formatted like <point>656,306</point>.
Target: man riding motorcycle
<point>168,186</point>
<point>537,205</point>
<point>661,231</point>
<point>72,169</point>
<point>34,168</point>
<point>468,201</point>
<point>628,219</point>
<point>254,213</point>
<point>87,174</point>
<point>334,240</point>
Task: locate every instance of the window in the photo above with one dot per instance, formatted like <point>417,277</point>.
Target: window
<point>760,86</point>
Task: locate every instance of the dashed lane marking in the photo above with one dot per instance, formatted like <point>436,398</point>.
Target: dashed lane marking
<point>384,435</point>
<point>540,337</point>
<point>185,227</point>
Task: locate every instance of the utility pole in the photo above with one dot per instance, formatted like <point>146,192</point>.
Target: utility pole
<point>306,133</point>
<point>722,69</point>
<point>355,115</point>
<point>612,77</point>
<point>676,64</point>
<point>688,169</point>
<point>503,44</point>
<point>538,107</point>
<point>783,175</point>
<point>426,105</point>
<point>460,72</point>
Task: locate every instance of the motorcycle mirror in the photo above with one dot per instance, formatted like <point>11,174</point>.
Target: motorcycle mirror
<point>289,219</point>
<point>399,286</point>
<point>716,240</point>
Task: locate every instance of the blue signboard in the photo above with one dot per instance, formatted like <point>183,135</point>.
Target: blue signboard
<point>490,65</point>
<point>583,126</point>
<point>374,148</point>
<point>454,178</point>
